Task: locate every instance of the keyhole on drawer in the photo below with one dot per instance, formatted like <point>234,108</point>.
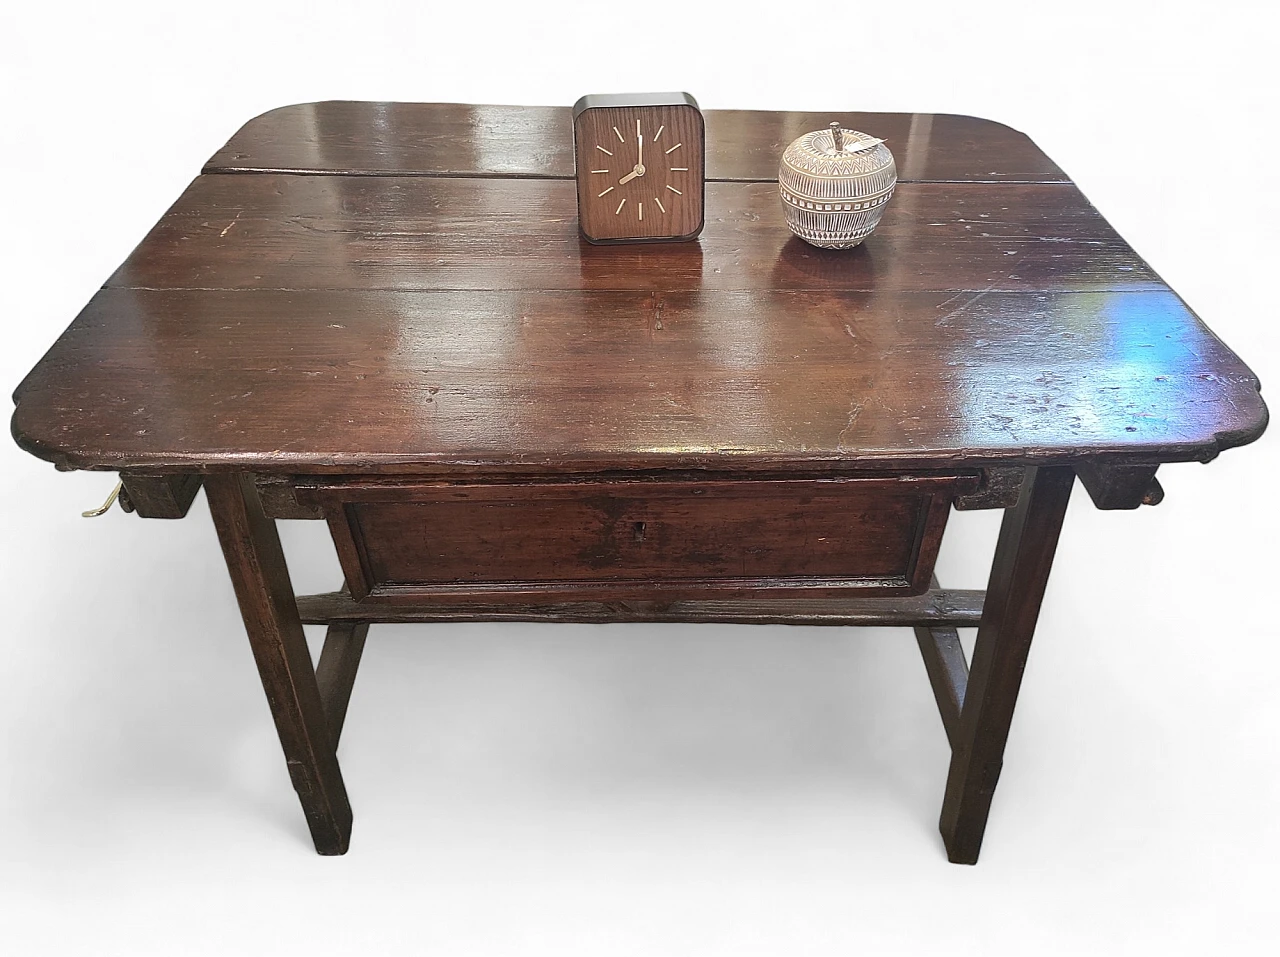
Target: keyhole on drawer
<point>638,530</point>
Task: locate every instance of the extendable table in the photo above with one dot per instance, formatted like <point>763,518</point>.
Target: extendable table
<point>382,316</point>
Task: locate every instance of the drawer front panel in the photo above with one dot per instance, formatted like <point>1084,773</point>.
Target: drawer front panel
<point>636,538</point>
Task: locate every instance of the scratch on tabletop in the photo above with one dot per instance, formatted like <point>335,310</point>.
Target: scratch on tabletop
<point>976,297</point>
<point>855,410</point>
<point>230,224</point>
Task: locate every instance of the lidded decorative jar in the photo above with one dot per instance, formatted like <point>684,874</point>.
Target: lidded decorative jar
<point>834,185</point>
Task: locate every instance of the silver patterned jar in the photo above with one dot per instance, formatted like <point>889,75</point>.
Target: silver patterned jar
<point>834,185</point>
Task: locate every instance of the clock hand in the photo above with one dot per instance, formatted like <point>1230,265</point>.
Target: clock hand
<point>638,171</point>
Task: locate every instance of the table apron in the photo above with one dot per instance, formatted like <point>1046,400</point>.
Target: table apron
<point>620,540</point>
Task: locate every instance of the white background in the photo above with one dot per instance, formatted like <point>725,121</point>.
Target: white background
<point>636,789</point>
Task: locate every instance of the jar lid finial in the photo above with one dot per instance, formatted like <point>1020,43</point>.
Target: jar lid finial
<point>837,137</point>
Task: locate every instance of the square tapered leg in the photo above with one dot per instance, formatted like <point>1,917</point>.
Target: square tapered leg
<point>256,563</point>
<point>1019,574</point>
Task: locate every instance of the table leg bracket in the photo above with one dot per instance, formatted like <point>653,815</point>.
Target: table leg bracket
<point>948,670</point>
<point>336,670</point>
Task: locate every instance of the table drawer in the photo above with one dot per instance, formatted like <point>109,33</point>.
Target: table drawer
<point>638,539</point>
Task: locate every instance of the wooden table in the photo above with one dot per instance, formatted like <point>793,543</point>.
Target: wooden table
<point>382,315</point>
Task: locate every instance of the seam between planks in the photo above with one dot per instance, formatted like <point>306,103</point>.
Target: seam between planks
<point>482,174</point>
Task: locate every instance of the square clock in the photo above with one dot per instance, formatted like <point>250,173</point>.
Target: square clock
<point>640,161</point>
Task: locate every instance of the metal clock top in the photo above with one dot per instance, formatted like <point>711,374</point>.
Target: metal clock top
<point>593,101</point>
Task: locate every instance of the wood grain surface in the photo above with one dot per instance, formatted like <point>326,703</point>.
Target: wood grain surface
<point>935,608</point>
<point>620,539</point>
<point>456,139</point>
<point>388,323</point>
<point>353,380</point>
<point>343,232</point>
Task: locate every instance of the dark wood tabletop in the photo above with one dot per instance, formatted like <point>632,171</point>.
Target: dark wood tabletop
<point>366,287</point>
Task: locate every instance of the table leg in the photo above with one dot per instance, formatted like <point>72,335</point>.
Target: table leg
<point>1019,573</point>
<point>256,563</point>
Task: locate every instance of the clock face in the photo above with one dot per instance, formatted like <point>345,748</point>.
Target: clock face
<point>640,172</point>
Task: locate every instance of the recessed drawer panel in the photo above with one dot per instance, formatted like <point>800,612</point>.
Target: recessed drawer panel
<point>620,539</point>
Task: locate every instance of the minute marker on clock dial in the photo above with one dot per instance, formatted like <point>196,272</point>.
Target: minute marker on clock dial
<point>639,170</point>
